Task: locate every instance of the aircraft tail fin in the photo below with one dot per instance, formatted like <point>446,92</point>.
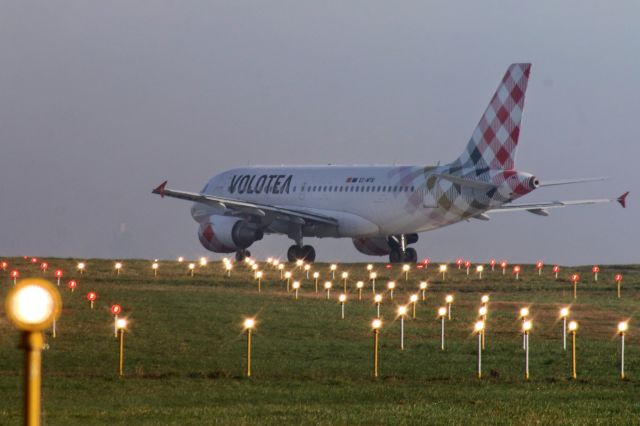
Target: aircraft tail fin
<point>494,141</point>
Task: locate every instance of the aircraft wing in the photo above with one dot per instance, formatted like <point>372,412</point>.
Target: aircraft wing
<point>254,209</point>
<point>541,208</point>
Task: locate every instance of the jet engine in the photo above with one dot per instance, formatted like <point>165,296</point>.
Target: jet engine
<point>377,246</point>
<point>225,234</point>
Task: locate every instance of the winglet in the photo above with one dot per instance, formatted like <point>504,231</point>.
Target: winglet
<point>623,199</point>
<point>160,189</point>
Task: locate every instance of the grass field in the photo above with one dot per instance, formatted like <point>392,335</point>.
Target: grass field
<point>185,349</point>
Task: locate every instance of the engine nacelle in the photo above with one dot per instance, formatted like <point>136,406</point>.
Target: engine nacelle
<point>226,234</point>
<point>517,184</point>
<point>377,246</point>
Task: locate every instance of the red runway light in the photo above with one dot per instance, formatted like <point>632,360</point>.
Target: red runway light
<point>44,266</point>
<point>5,265</point>
<point>556,268</point>
<point>72,284</point>
<point>15,273</point>
<point>539,265</point>
<point>116,309</point>
<point>595,269</point>
<point>516,269</point>
<point>425,261</point>
<point>34,260</point>
<point>492,262</point>
<point>575,278</point>
<point>91,296</point>
<point>619,277</point>
<point>58,273</point>
<point>387,266</point>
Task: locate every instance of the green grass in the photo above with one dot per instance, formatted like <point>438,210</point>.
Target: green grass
<point>185,351</point>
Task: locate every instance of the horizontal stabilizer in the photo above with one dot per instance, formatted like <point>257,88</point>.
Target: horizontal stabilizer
<point>569,181</point>
<point>539,212</point>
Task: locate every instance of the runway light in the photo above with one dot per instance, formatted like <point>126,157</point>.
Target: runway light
<point>115,311</point>
<point>44,266</point>
<point>595,270</point>
<point>378,300</point>
<point>449,300</point>
<point>622,329</point>
<point>573,328</point>
<point>402,311</point>
<point>249,325</point>
<point>574,280</point>
<point>281,269</point>
<point>34,260</point>
<point>31,306</point>
<point>387,266</point>
<point>478,328</point>
<point>327,287</point>
<point>556,270</point>
<point>405,269</point>
<point>443,270</point>
<point>259,278</point>
<point>91,297</point>
<point>345,275</point>
<point>287,276</point>
<point>4,265</point>
<point>459,263</point>
<point>375,325</point>
<point>118,267</point>
<point>492,262</point>
<point>229,266</point>
<point>414,300</point>
<point>516,271</point>
<point>121,326</point>
<point>203,261</point>
<point>369,267</point>
<point>58,275</point>
<point>316,275</point>
<point>15,274</point>
<point>81,267</point>
<point>390,286</point>
<point>299,263</point>
<point>155,266</point>
<point>333,268</point>
<point>526,329</point>
<point>426,262</point>
<point>372,277</point>
<point>423,289</point>
<point>479,270</point>
<point>564,313</point>
<point>72,285</point>
<point>296,287</point>
<point>180,259</point>
<point>342,298</point>
<point>307,268</point>
<point>359,286</point>
<point>442,313</point>
<point>503,266</point>
<point>524,313</point>
<point>482,312</point>
<point>467,265</point>
<point>539,266</point>
<point>192,267</point>
<point>618,279</point>
<point>484,299</point>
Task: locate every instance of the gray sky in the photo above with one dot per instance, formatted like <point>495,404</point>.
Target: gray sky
<point>101,101</point>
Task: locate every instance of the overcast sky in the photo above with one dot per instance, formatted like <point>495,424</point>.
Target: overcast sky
<point>102,101</point>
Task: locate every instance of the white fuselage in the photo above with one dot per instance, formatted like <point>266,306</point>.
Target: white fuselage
<point>366,200</point>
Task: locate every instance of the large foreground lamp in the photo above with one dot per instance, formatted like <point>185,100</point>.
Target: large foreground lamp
<point>31,306</point>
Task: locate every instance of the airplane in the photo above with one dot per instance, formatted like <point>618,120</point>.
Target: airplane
<point>381,208</point>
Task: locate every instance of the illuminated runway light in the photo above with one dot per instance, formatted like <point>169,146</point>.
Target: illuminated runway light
<point>556,270</point>
<point>327,287</point>
<point>31,306</point>
<point>375,325</point>
<point>467,266</point>
<point>58,274</point>
<point>539,266</point>
<point>118,267</point>
<point>402,311</point>
<point>154,267</point>
<point>492,263</point>
<point>342,299</point>
<point>44,266</point>
<point>405,269</point>
<point>91,297</point>
<point>503,266</point>
<point>442,314</point>
<point>618,279</point>
<point>574,280</point>
<point>595,271</point>
<point>81,267</point>
<point>72,285</point>
<point>316,276</point>
<point>443,271</point>
<point>296,287</point>
<point>449,301</point>
<point>573,328</point>
<point>372,277</point>
<point>478,328</point>
<point>479,270</point>
<point>192,267</point>
<point>391,285</point>
<point>377,300</point>
<point>564,313</point>
<point>423,288</point>
<point>516,271</point>
<point>359,286</point>
<point>526,329</point>
<point>622,329</point>
<point>414,300</point>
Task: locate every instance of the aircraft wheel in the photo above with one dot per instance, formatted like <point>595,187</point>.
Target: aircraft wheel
<point>395,256</point>
<point>293,253</point>
<point>411,255</point>
<point>308,254</point>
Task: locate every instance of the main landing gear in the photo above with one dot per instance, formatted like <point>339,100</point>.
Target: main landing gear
<point>400,253</point>
<point>300,252</point>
